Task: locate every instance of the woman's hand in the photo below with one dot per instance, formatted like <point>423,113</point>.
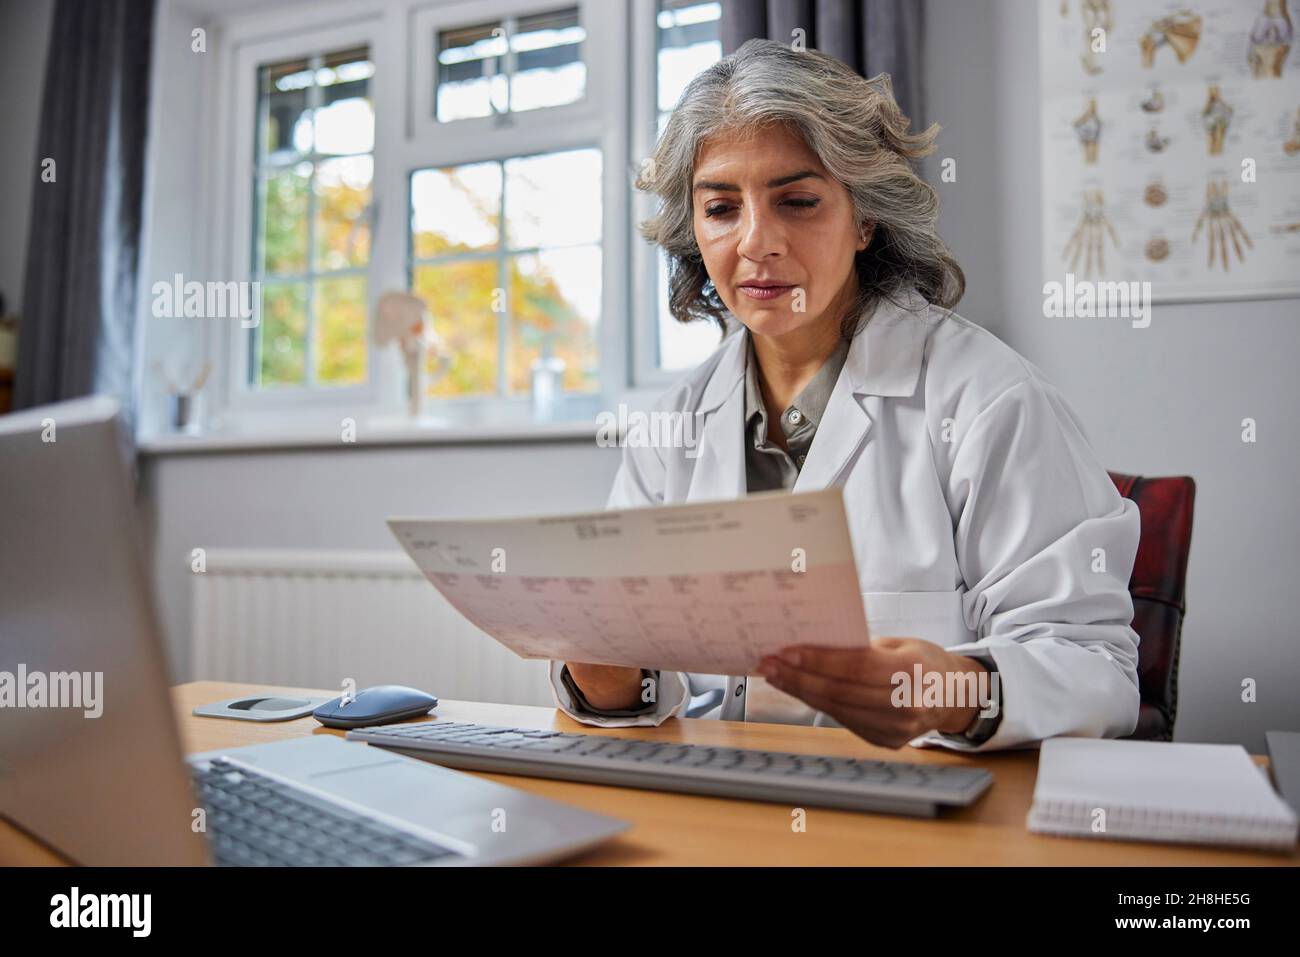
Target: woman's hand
<point>856,686</point>
<point>608,687</point>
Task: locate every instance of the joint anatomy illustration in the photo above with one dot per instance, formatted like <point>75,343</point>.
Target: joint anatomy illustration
<point>1216,116</point>
<point>1182,158</point>
<point>1292,146</point>
<point>1157,249</point>
<point>1096,16</point>
<point>1180,32</point>
<point>1088,128</point>
<point>1270,40</point>
<point>1155,143</point>
<point>1222,225</point>
<point>1089,236</point>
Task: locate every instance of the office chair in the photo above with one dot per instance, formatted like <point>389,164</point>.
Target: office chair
<point>1159,589</point>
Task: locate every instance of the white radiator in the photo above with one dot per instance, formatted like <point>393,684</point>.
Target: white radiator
<point>315,618</point>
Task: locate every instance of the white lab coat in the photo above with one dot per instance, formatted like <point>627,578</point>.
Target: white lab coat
<point>981,520</point>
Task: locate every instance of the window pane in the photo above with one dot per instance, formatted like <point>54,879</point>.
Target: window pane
<point>345,121</point>
<point>345,75</point>
<point>313,199</point>
<point>460,297</point>
<point>553,199</point>
<point>286,119</point>
<point>342,227</point>
<point>552,258</point>
<point>283,332</point>
<point>549,69</point>
<point>457,209</point>
<point>527,64</point>
<point>340,330</point>
<point>471,72</point>
<point>283,232</point>
<point>682,345</point>
<point>554,307</point>
<point>688,42</point>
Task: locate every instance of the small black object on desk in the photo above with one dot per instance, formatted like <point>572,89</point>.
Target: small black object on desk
<point>382,704</point>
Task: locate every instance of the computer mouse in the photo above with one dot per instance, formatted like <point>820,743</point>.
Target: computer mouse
<point>382,704</point>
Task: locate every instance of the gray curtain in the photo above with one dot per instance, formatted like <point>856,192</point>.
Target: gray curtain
<point>79,301</point>
<point>871,36</point>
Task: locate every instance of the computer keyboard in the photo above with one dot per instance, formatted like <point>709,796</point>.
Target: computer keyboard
<point>256,820</point>
<point>798,779</point>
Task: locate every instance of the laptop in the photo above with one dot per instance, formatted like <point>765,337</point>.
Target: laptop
<point>90,755</point>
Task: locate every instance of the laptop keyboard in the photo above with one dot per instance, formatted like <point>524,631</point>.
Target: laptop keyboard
<point>255,820</point>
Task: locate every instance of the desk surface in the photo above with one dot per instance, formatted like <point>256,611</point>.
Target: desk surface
<point>679,829</point>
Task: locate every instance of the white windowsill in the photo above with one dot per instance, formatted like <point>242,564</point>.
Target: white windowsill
<point>387,435</point>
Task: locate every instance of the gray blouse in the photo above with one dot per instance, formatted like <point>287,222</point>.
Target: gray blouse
<point>767,465</point>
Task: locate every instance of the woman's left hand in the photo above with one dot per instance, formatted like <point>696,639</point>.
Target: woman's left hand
<point>855,686</point>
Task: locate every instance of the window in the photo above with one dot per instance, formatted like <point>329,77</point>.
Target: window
<point>687,41</point>
<point>507,256</point>
<point>312,234</point>
<point>476,154</point>
<point>510,65</point>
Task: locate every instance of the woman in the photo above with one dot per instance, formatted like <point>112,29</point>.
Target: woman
<point>989,540</point>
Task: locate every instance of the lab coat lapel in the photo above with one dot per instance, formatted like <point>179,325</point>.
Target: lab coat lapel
<point>884,359</point>
<point>719,472</point>
<point>841,432</point>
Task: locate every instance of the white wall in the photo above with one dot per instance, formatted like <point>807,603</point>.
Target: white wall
<point>1167,400</point>
<point>24,43</point>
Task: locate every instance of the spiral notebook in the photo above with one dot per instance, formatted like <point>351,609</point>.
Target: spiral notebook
<point>1155,791</point>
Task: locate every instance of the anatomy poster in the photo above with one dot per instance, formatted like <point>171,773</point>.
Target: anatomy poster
<point>1171,145</point>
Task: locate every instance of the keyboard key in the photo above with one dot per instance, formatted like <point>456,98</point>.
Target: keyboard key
<point>259,821</point>
<point>752,762</point>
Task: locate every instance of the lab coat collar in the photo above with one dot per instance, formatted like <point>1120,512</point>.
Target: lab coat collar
<point>884,359</point>
<point>887,352</point>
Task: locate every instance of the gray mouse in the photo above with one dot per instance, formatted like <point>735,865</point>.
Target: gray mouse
<point>382,704</point>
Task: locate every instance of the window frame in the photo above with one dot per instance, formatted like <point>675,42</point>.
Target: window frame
<point>240,398</point>
<point>428,22</point>
<point>312,273</point>
<point>643,274</point>
<point>396,34</point>
<point>647,373</point>
<point>574,404</point>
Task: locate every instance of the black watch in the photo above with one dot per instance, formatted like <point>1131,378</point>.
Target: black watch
<point>984,727</point>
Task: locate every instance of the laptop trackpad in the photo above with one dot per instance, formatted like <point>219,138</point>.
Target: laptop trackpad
<point>445,802</point>
<point>358,763</point>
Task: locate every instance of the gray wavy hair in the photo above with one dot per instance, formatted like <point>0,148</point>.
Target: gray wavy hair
<point>859,134</point>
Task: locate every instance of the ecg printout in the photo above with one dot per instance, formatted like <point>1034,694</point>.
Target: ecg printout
<point>708,587</point>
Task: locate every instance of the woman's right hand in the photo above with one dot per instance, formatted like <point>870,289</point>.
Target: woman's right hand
<point>608,687</point>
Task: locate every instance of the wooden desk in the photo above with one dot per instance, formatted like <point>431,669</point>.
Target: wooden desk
<point>679,829</point>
